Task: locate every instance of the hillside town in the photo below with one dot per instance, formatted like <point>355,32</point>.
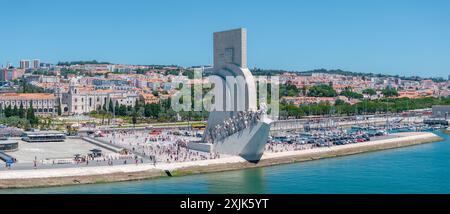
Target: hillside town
<point>114,114</point>
<point>101,89</point>
<point>369,87</point>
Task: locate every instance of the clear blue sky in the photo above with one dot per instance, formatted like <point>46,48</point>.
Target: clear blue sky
<point>406,37</point>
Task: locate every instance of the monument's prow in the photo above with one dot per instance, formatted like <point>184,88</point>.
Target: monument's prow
<point>235,126</point>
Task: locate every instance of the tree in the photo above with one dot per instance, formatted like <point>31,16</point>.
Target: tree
<point>189,74</point>
<point>24,85</point>
<point>59,108</point>
<point>322,90</point>
<point>339,102</point>
<point>21,111</point>
<point>147,110</point>
<point>289,90</point>
<point>110,106</point>
<point>134,118</point>
<point>390,92</point>
<point>348,92</point>
<point>175,72</point>
<point>369,91</point>
<point>137,105</point>
<point>383,105</point>
<point>117,108</point>
<point>15,122</point>
<point>122,110</point>
<point>8,112</point>
<point>152,110</point>
<point>29,88</point>
<point>31,117</point>
<point>15,111</point>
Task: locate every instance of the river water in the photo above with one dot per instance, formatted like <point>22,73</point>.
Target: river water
<point>417,169</point>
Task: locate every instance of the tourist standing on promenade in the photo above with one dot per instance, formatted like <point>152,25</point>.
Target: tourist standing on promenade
<point>35,162</point>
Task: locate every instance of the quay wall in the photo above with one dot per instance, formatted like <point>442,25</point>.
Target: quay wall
<point>270,159</point>
<point>447,130</point>
<point>102,174</point>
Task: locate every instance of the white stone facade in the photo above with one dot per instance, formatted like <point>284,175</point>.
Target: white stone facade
<point>79,100</point>
<point>43,104</point>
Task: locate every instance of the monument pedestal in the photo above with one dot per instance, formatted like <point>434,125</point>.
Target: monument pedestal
<point>198,146</point>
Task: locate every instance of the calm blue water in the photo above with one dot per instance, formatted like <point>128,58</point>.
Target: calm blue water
<point>417,169</point>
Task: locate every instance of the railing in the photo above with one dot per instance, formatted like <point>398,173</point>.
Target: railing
<point>103,144</point>
<point>6,158</point>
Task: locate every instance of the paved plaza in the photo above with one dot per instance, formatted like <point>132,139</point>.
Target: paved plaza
<point>165,146</point>
<point>52,150</point>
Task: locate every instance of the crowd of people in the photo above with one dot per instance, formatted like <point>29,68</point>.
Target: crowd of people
<point>161,147</point>
<point>110,159</point>
<point>275,147</point>
<point>230,126</point>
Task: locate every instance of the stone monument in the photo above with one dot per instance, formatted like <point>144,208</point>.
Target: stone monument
<point>235,126</point>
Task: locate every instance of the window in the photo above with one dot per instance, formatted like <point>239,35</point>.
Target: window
<point>229,54</point>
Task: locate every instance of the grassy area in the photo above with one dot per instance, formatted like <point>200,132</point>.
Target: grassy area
<point>177,173</point>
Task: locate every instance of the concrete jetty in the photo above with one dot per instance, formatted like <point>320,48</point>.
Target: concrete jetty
<point>102,174</point>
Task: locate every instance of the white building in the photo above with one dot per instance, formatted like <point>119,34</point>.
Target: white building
<point>82,100</point>
<point>36,63</point>
<point>25,64</point>
<point>43,104</point>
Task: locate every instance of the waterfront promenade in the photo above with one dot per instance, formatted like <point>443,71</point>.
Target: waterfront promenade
<point>101,174</point>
